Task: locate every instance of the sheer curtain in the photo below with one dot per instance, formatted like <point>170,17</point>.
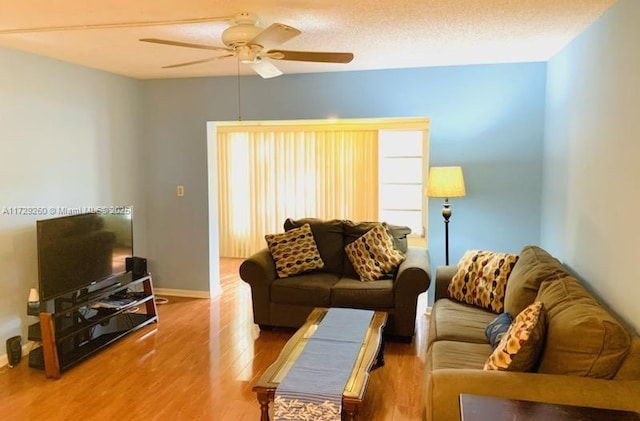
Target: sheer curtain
<point>268,174</point>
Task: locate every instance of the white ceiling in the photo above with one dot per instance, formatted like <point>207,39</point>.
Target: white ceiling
<point>382,34</point>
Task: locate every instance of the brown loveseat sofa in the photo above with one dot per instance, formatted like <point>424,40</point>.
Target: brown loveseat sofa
<point>286,302</point>
<point>589,358</point>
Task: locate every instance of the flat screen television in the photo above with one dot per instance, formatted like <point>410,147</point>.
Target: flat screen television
<point>78,251</point>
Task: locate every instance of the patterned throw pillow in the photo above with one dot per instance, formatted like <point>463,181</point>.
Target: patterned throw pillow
<point>519,349</point>
<point>294,251</point>
<point>481,279</point>
<point>373,255</point>
<point>497,328</point>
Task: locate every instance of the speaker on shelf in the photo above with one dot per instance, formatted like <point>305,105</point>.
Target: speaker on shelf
<point>137,266</point>
<point>14,350</point>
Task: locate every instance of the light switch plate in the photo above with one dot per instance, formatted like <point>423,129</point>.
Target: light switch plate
<point>180,191</point>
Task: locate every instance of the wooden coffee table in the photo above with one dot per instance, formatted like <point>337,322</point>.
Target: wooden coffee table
<point>371,355</point>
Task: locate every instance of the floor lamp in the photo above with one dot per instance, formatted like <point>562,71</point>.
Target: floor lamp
<point>446,182</point>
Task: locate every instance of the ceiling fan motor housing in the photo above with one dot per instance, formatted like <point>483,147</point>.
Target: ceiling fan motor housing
<point>239,34</point>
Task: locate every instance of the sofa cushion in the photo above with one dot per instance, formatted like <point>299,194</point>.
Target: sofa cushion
<point>310,289</point>
<point>454,321</point>
<point>355,230</point>
<point>583,339</point>
<point>294,251</point>
<point>481,278</point>
<point>373,255</point>
<point>519,349</point>
<point>349,292</point>
<point>533,267</point>
<point>451,354</point>
<point>497,328</point>
<point>329,237</point>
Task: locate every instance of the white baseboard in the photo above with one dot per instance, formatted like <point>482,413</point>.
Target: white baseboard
<point>26,348</point>
<point>187,293</point>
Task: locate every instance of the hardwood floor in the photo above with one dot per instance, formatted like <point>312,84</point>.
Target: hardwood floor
<point>198,363</point>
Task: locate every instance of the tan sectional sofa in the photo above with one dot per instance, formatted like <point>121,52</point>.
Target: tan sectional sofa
<point>589,357</point>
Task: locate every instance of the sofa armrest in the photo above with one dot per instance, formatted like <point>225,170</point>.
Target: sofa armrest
<point>444,387</point>
<point>412,279</point>
<point>414,274</point>
<point>259,270</point>
<point>444,274</point>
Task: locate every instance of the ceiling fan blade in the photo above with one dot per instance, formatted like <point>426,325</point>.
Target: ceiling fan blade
<point>133,24</point>
<point>189,63</point>
<point>276,34</point>
<point>310,56</point>
<point>184,44</point>
<point>266,69</point>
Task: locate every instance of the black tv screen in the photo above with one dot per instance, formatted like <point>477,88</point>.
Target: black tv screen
<point>79,250</point>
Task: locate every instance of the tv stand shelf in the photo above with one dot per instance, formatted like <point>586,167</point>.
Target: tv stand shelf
<point>74,327</point>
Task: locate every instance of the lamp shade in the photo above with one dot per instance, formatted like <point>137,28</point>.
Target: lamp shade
<point>445,182</point>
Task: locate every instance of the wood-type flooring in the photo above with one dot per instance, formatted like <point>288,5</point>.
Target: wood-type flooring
<point>198,363</point>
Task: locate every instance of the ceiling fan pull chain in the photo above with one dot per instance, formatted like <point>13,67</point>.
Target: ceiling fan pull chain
<point>239,98</point>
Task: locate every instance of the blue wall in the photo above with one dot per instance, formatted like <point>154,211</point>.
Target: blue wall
<point>69,139</point>
<point>591,198</point>
<point>487,118</point>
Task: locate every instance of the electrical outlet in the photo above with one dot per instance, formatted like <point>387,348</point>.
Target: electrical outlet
<point>180,191</point>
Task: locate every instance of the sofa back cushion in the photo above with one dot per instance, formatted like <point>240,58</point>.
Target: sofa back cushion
<point>630,368</point>
<point>329,238</point>
<point>534,266</point>
<point>355,230</point>
<point>583,339</point>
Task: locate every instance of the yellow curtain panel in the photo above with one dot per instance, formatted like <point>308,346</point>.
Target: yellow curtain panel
<point>268,175</point>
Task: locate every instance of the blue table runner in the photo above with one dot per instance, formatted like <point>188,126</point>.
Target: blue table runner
<point>313,387</point>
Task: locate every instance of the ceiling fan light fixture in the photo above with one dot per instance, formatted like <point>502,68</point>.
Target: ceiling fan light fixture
<point>248,54</point>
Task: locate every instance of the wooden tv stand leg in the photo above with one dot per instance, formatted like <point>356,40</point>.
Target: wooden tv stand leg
<point>50,351</point>
<point>151,304</point>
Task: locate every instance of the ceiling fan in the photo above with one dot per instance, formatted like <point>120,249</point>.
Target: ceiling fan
<point>252,45</point>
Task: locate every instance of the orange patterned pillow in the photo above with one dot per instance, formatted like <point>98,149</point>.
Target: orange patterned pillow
<point>373,255</point>
<point>519,349</point>
<point>294,251</point>
<point>481,279</point>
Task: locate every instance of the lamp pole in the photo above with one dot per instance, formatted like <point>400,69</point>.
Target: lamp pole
<point>446,214</point>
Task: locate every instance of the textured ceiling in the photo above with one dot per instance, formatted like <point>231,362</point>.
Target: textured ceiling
<point>382,34</point>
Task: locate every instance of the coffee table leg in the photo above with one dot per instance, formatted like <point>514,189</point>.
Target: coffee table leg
<point>263,398</point>
<point>350,412</point>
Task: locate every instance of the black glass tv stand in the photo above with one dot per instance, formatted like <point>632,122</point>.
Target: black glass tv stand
<point>77,325</point>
